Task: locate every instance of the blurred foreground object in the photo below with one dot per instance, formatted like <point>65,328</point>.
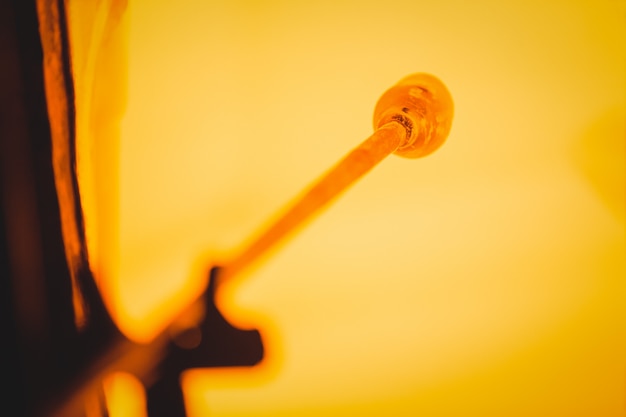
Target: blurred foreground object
<point>61,342</point>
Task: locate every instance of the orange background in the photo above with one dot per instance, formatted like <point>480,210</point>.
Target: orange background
<point>484,280</point>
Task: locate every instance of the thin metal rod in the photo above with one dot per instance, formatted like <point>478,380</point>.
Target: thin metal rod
<point>352,167</point>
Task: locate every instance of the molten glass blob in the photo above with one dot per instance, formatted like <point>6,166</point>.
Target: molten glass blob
<point>423,105</point>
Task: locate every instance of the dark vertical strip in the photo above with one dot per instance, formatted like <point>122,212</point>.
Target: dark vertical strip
<point>43,354</point>
<point>38,273</point>
<point>17,321</point>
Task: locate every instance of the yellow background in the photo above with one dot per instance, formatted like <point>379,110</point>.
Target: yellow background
<point>484,280</point>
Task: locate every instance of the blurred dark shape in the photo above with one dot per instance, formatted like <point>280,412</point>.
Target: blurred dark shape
<point>220,345</point>
<point>49,365</point>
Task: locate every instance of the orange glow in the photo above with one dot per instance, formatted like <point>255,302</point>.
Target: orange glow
<point>125,396</point>
<point>486,279</point>
<point>99,40</point>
